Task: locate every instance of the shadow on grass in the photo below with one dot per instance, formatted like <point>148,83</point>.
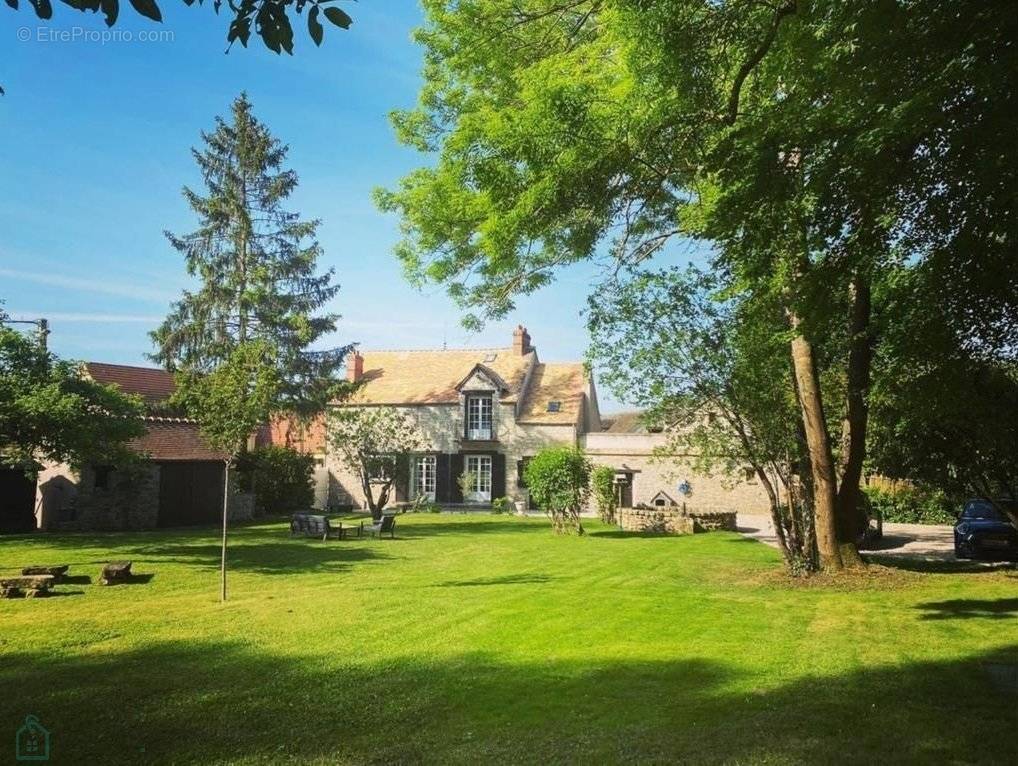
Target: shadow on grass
<point>517,579</point>
<point>217,702</point>
<point>300,555</point>
<point>938,566</point>
<point>967,608</point>
<point>619,534</point>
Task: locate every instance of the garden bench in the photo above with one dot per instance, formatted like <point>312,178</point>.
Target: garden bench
<point>314,525</point>
<point>28,586</point>
<point>57,571</point>
<point>114,572</point>
<point>385,524</point>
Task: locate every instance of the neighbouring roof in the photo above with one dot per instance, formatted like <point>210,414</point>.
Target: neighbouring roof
<point>432,377</point>
<point>630,422</point>
<point>167,438</point>
<point>152,384</point>
<point>563,383</point>
<point>175,439</point>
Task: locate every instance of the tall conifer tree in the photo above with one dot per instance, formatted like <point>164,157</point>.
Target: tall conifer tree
<point>240,344</point>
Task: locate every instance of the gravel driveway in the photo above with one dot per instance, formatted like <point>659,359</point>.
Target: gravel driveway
<point>925,542</point>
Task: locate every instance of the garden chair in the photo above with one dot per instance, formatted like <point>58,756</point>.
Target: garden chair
<point>385,524</point>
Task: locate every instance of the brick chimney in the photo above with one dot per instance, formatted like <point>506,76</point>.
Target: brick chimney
<point>521,341</point>
<point>354,367</point>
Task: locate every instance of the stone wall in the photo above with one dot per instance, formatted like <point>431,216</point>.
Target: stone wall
<point>71,501</point>
<point>634,454</point>
<point>668,521</point>
<point>675,521</point>
<point>442,426</point>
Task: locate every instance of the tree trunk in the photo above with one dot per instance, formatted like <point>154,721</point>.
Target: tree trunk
<point>851,520</point>
<point>818,443</point>
<point>226,506</point>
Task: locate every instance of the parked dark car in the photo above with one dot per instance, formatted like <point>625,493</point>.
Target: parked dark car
<point>984,532</point>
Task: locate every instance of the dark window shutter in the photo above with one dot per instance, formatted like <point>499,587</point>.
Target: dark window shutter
<point>455,470</point>
<point>443,479</point>
<point>497,475</point>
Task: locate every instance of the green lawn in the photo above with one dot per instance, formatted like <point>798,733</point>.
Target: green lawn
<point>487,639</point>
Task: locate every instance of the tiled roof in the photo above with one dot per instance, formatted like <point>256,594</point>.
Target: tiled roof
<point>630,422</point>
<point>562,383</point>
<point>431,377</point>
<point>167,438</point>
<point>152,384</point>
<point>174,439</point>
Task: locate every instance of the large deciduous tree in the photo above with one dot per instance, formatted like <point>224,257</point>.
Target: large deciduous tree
<point>815,143</point>
<point>712,373</point>
<point>240,344</point>
<point>376,443</point>
<point>49,410</point>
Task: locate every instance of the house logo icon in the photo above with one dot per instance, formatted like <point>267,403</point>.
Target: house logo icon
<point>32,741</point>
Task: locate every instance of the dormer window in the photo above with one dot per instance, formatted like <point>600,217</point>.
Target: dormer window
<point>479,409</point>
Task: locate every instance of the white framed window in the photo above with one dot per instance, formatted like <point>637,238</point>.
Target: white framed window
<point>480,467</point>
<point>425,473</point>
<point>479,410</point>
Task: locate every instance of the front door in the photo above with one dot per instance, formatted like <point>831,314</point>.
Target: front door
<point>480,467</point>
<point>425,474</point>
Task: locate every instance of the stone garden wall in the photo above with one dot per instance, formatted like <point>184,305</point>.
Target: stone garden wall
<point>674,520</point>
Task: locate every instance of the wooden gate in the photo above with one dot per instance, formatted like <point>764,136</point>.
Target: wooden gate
<point>190,494</point>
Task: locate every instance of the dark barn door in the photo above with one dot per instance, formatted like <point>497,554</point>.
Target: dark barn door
<point>17,501</point>
<point>190,494</point>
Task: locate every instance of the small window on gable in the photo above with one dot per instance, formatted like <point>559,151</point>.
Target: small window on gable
<point>660,502</point>
<point>554,406</point>
<point>490,358</point>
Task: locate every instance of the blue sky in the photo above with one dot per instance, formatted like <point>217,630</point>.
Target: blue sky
<point>97,141</point>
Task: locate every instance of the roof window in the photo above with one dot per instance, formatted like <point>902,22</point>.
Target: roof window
<point>490,358</point>
<point>554,406</point>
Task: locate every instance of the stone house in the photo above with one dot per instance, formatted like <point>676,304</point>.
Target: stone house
<point>488,411</point>
<point>482,411</point>
<point>178,483</point>
<point>649,474</point>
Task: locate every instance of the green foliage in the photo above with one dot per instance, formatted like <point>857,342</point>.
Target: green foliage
<point>281,478</point>
<point>709,365</point>
<point>49,410</point>
<point>602,483</point>
<point>231,401</point>
<point>467,483</point>
<point>376,443</point>
<point>942,409</point>
<point>270,19</point>
<point>503,505</point>
<point>256,263</point>
<point>559,481</point>
<point>912,506</point>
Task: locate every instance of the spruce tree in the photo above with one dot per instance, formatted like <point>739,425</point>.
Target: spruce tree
<point>257,267</point>
<point>240,343</point>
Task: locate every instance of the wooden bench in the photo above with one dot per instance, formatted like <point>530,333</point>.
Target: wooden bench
<point>314,525</point>
<point>57,571</point>
<point>115,572</point>
<point>28,586</point>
